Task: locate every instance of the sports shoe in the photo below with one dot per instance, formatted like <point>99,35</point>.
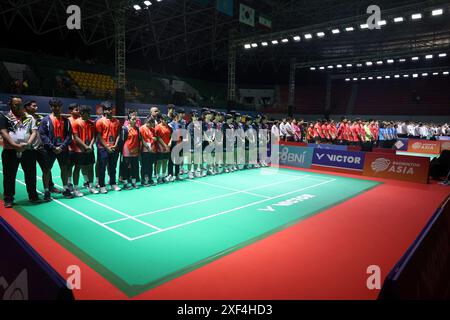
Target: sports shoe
<point>47,196</point>
<point>168,178</point>
<point>9,204</point>
<point>160,180</point>
<point>191,175</point>
<point>68,195</point>
<point>70,186</point>
<point>92,190</point>
<point>55,191</point>
<point>86,185</point>
<point>77,193</point>
<point>135,185</point>
<point>115,187</point>
<point>36,200</point>
<point>226,170</point>
<point>127,186</point>
<point>103,190</point>
<point>179,178</point>
<point>198,174</point>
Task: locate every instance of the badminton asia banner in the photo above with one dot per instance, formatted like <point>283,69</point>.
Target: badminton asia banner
<point>349,160</point>
<point>294,156</point>
<point>424,146</point>
<point>389,166</point>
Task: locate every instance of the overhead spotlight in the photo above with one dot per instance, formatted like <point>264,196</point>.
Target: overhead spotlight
<point>285,40</point>
<point>359,65</point>
<point>312,68</point>
<point>320,34</point>
<point>297,38</point>
<point>364,26</point>
<point>369,63</point>
<point>380,62</point>
<point>355,79</point>
<point>424,74</point>
<point>442,55</point>
<point>347,79</point>
<point>379,77</point>
<point>363,79</point>
<point>387,77</point>
<point>401,60</point>
<point>382,23</point>
<point>437,12</point>
<point>435,73</point>
<point>415,75</point>
<point>147,3</point>
<point>416,16</point>
<point>406,76</point>
<point>335,31</point>
<point>330,67</point>
<point>397,76</point>
<point>429,56</point>
<point>247,46</point>
<point>254,45</point>
<point>322,68</point>
<point>415,58</point>
<point>348,29</point>
<point>137,7</point>
<point>274,41</point>
<point>398,19</point>
<point>370,78</point>
<point>349,65</point>
<point>339,66</point>
<point>445,73</point>
<point>308,36</point>
<point>390,61</point>
<point>264,44</point>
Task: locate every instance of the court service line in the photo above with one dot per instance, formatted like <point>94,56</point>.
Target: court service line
<point>117,211</point>
<point>206,200</point>
<point>229,189</point>
<point>81,214</point>
<point>231,210</point>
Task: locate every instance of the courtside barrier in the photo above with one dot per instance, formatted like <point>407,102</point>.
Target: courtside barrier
<point>423,273</point>
<point>397,167</point>
<point>328,146</point>
<point>384,150</point>
<point>296,156</point>
<point>424,146</point>
<point>339,159</point>
<point>401,144</point>
<point>24,275</point>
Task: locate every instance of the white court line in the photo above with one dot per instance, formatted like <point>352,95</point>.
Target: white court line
<point>128,217</point>
<point>228,211</point>
<point>229,189</point>
<point>81,214</point>
<point>291,175</point>
<point>209,199</point>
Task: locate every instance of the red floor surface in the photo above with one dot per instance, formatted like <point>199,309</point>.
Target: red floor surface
<point>323,257</point>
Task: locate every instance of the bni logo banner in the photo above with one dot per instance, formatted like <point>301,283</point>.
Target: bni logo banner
<point>300,157</point>
<point>350,160</point>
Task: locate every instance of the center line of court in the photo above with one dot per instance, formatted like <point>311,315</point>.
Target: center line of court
<point>209,199</point>
<point>228,211</point>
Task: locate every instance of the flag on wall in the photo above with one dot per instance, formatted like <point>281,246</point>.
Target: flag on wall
<point>247,15</point>
<point>225,6</point>
<point>265,22</point>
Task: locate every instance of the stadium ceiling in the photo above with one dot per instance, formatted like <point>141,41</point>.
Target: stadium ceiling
<point>195,31</point>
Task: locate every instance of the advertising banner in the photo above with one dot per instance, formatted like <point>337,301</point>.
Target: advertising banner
<point>350,160</point>
<point>445,145</point>
<point>390,166</point>
<point>327,146</point>
<point>424,146</point>
<point>401,144</point>
<point>300,157</point>
<point>384,150</point>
